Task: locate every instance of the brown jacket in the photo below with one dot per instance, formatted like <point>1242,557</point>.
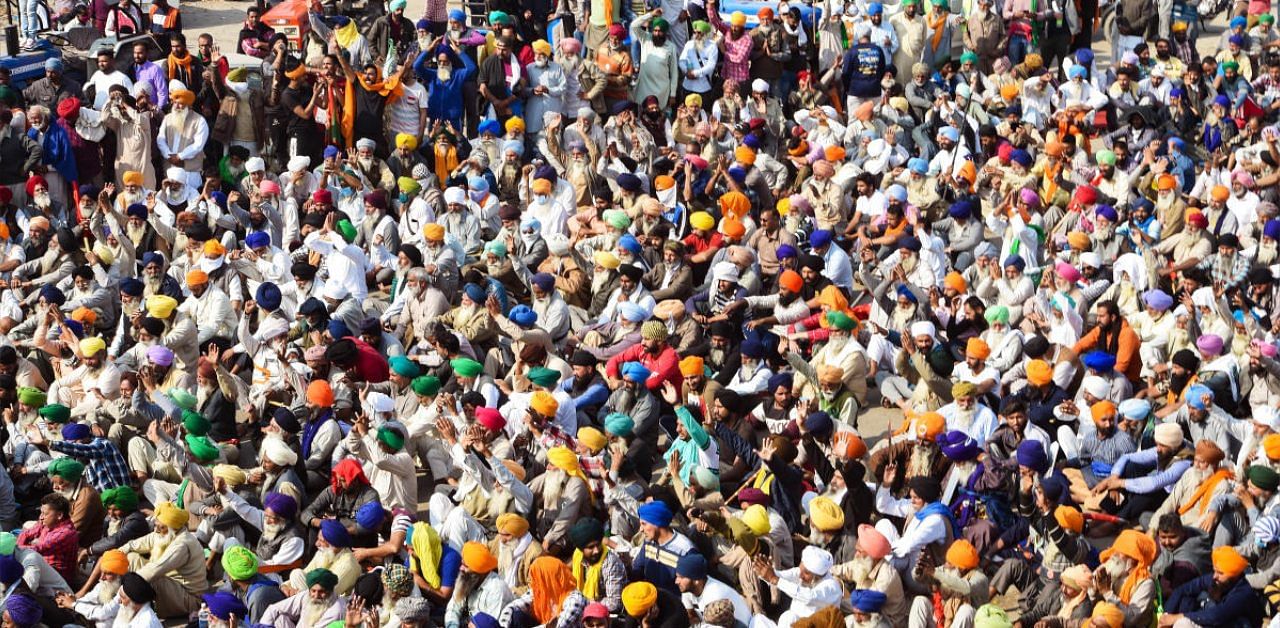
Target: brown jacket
<point>88,514</point>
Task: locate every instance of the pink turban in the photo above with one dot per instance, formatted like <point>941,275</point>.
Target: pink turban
<point>1243,178</point>
<point>1267,349</point>
<point>1067,271</point>
<point>570,45</point>
<point>1210,344</point>
<point>1030,197</point>
<point>824,168</point>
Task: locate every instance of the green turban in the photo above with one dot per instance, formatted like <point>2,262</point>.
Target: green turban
<point>391,437</point>
<point>204,449</point>
<point>240,563</point>
<point>1105,158</point>
<point>969,56</point>
<point>839,320</point>
<point>498,249</point>
<point>998,314</point>
<point>1230,65</point>
<point>322,577</point>
<point>33,397</point>
<point>68,469</point>
<point>55,413</point>
<point>619,424</point>
<point>195,424</point>
<point>182,398</point>
<point>585,532</point>
<point>1264,478</point>
<point>659,23</point>
<point>466,367</point>
<point>8,543</point>
<point>498,17</point>
<point>409,185</point>
<point>426,385</point>
<point>347,230</point>
<point>702,26</point>
<point>543,376</point>
<point>122,497</point>
<point>617,219</point>
<point>404,367</point>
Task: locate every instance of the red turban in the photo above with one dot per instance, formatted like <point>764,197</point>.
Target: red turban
<point>69,108</point>
<point>33,182</point>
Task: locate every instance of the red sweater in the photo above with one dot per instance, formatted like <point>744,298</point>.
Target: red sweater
<point>663,367</point>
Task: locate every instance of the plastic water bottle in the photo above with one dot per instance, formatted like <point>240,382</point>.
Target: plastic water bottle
<point>203,617</point>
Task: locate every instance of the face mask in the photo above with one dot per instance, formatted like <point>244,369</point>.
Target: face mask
<point>346,192</point>
<point>478,195</point>
<point>541,199</point>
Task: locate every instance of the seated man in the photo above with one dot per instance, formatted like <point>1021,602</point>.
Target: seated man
<point>171,559</point>
<point>53,536</point>
<point>313,607</point>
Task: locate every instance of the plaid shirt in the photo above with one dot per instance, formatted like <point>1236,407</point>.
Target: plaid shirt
<point>107,469</point>
<point>58,545</point>
<point>737,52</point>
<point>1227,272</point>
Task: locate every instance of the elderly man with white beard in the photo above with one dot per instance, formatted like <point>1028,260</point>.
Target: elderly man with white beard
<point>171,559</point>
<point>282,543</point>
<point>969,415</point>
<point>313,607</point>
<point>135,603</point>
<point>870,571</point>
<point>810,586</point>
<point>182,137</point>
<point>98,603</point>
<point>93,381</point>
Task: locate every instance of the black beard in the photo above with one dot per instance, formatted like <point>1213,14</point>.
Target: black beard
<point>1177,383</point>
<point>659,41</point>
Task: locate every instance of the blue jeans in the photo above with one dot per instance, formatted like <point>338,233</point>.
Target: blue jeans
<point>1018,45</point>
<point>785,84</point>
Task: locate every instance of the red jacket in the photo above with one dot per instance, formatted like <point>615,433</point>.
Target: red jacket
<point>663,367</point>
<point>370,365</point>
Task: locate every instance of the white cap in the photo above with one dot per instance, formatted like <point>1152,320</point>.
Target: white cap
<point>380,403</point>
<point>255,164</point>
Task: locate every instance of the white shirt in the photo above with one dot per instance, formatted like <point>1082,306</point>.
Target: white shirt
<point>806,600</point>
<point>716,590</point>
<point>144,618</point>
<point>919,532</point>
<point>102,82</point>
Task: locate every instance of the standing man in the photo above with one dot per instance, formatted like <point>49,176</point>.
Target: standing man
<point>658,74</point>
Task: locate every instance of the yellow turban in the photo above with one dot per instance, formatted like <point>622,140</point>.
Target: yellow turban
<point>404,140</point>
<point>744,155</point>
<point>702,221</point>
<point>513,524</point>
<point>182,96</point>
<point>160,305</point>
<point>606,259</point>
<point>757,518</point>
<point>825,514</point>
<point>171,516</point>
<point>639,597</point>
<point>593,438</point>
<point>90,347</point>
<point>1039,372</point>
<point>1069,518</point>
<point>231,474</point>
<point>693,100</point>
<point>962,555</point>
<point>543,403</point>
<point>514,125</point>
<point>131,177</point>
<point>1271,445</point>
<point>433,232</point>
<point>542,47</point>
<point>738,18</point>
<point>114,562</point>
<point>563,458</point>
<point>1229,561</point>
<point>213,248</point>
<point>1109,614</point>
<point>540,186</point>
<point>1078,240</point>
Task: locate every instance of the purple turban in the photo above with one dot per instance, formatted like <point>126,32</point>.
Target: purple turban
<point>1210,345</point>
<point>160,355</point>
<point>23,610</point>
<point>282,505</point>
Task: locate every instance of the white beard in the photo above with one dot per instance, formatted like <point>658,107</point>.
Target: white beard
<point>271,530</point>
<point>124,616</point>
<point>107,591</point>
<point>862,566</point>
<point>598,281</point>
<point>130,198</point>
<point>964,418</point>
<point>43,200</point>
<point>313,610</point>
<point>365,162</point>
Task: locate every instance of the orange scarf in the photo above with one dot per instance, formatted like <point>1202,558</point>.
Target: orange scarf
<point>446,162</point>
<point>389,89</point>
<point>1051,183</point>
<point>550,581</point>
<point>1205,492</point>
<point>180,68</point>
<point>938,24</point>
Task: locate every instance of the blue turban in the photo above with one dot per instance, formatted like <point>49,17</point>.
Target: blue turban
<point>334,533</point>
<point>751,141</point>
<point>474,292</point>
<point>137,210</point>
<point>515,146</point>
<point>523,316</point>
<point>1077,71</point>
<point>635,372</point>
<point>958,446</point>
<point>1031,455</point>
<point>1015,261</point>
<point>1176,92</point>
<point>76,431</point>
<point>818,423</point>
<point>424,24</point>
<point>910,243</point>
<point>737,173</point>
<point>951,133</point>
<point>786,251</point>
<point>75,326</point>
<point>1142,203</point>
<point>656,513</point>
<point>1272,229</point>
<point>906,293</point>
<point>867,600</point>
<point>1055,488</point>
<point>961,209</point>
<point>751,348</point>
<point>457,15</point>
<point>132,287</point>
<point>875,8</point>
<point>918,165</point>
<point>780,379</point>
<point>629,182</point>
<point>1221,100</point>
<point>22,608</point>
<point>1021,157</point>
<point>152,257</point>
<point>490,126</point>
<point>1157,299</point>
<point>51,294</point>
<point>484,620</point>
<point>330,152</point>
<point>257,239</point>
<point>1177,143</point>
<point>544,281</point>
<point>1100,361</point>
<point>219,198</point>
<point>267,296</point>
<point>53,63</point>
<point>10,570</point>
<point>1107,211</point>
<point>820,238</point>
<point>89,190</point>
<point>338,329</point>
<point>370,515</point>
<point>619,424</point>
<point>224,604</point>
<point>1195,393</point>
<point>1084,56</point>
<point>633,312</point>
<point>284,506</point>
<point>629,243</point>
<point>1237,22</point>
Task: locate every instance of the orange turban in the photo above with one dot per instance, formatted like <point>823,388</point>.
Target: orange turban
<point>131,177</point>
<point>864,110</point>
<point>955,281</point>
<point>1079,240</point>
<point>1039,373</point>
<point>84,315</point>
<point>977,348</point>
<point>929,425</point>
<point>1220,193</point>
<point>1009,91</point>
<point>1109,614</point>
<point>478,558</point>
<point>1229,561</point>
<point>114,562</point>
<point>692,365</point>
<point>834,154</point>
<point>540,186</point>
<point>732,227</point>
<point>197,277</point>
<point>962,555</point>
<point>663,182</point>
<point>735,204</point>
<point>511,523</point>
<point>744,155</point>
<point>1069,518</point>
<point>1142,549</point>
<point>849,444</point>
<point>1166,182</point>
<point>791,280</point>
<point>213,248</point>
<point>320,393</point>
<point>182,96</point>
<point>1055,148</point>
<point>433,232</point>
<point>543,403</point>
<point>1101,409</point>
<point>1271,446</point>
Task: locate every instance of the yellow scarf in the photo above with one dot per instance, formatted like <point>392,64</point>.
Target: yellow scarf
<point>1204,492</point>
<point>446,162</point>
<point>425,542</point>
<point>589,583</point>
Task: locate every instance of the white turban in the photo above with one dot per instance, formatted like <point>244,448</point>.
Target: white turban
<point>333,289</point>
<point>558,244</point>
<point>816,560</point>
<point>255,164</point>
<point>1169,434</point>
<point>380,403</point>
<point>760,85</point>
<point>176,85</point>
<point>1134,409</point>
<point>1095,386</point>
<point>1266,415</point>
<point>1091,259</point>
<point>455,196</point>
<point>366,143</point>
<point>176,174</point>
<point>923,328</point>
<point>272,328</point>
<point>299,163</point>
<point>276,451</point>
<point>725,271</point>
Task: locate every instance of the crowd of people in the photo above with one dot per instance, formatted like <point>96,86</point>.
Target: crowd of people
<point>574,315</point>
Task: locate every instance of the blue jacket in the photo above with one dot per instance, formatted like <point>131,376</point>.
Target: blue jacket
<point>57,151</point>
<point>1240,607</point>
<point>444,98</point>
